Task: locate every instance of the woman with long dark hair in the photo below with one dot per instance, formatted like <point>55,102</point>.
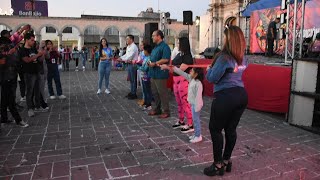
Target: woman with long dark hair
<point>180,86</point>
<point>104,68</point>
<point>231,98</point>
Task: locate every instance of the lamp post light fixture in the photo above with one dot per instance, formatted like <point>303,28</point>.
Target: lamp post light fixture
<point>197,20</point>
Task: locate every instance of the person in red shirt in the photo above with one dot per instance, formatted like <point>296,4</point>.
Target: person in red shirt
<point>66,58</point>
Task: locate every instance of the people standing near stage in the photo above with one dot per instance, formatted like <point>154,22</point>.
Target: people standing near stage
<point>31,67</point>
<point>272,35</point>
<point>8,78</point>
<point>43,79</point>
<point>66,58</point>
<point>104,68</point>
<point>160,55</point>
<point>76,56</point>
<point>52,59</point>
<point>231,98</point>
<point>146,84</point>
<point>180,86</point>
<point>84,57</point>
<point>131,54</point>
<point>139,62</point>
<point>194,94</point>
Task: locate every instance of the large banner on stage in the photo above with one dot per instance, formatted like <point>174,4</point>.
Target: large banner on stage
<point>24,8</point>
<point>260,20</point>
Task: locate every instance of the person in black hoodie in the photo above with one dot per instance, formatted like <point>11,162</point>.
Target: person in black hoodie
<point>9,74</point>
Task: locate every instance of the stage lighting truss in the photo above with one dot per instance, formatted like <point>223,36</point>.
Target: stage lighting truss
<point>294,30</point>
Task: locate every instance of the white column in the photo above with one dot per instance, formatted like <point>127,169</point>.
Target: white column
<point>38,38</point>
<point>59,40</point>
<point>122,40</point>
<point>81,41</point>
<point>176,41</point>
<point>140,40</point>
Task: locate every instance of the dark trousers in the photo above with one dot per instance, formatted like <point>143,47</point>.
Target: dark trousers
<point>95,63</point>
<point>270,46</point>
<point>160,94</point>
<point>33,90</point>
<point>226,110</point>
<point>77,61</point>
<point>53,73</point>
<point>147,92</point>
<point>7,100</point>
<point>132,72</point>
<point>22,85</point>
<point>65,64</point>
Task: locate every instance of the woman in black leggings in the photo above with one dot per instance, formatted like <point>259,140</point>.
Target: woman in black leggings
<point>230,98</point>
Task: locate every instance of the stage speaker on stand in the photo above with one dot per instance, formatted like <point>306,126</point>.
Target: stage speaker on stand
<point>149,28</point>
<point>187,18</point>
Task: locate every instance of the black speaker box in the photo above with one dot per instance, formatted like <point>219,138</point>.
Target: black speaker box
<point>187,18</point>
<point>149,28</point>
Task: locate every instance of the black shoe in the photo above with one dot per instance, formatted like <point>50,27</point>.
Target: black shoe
<point>178,125</point>
<point>228,166</point>
<point>133,96</point>
<point>213,170</point>
<point>129,94</point>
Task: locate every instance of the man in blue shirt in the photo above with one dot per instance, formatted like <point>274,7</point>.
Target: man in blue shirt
<point>160,55</point>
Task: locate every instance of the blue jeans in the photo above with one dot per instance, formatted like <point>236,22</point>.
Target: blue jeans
<point>84,59</point>
<point>104,70</point>
<point>196,121</point>
<point>132,72</point>
<point>53,73</point>
<point>147,92</point>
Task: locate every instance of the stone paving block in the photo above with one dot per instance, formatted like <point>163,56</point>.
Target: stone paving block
<point>86,161</point>
<point>42,171</point>
<point>98,171</point>
<point>79,173</point>
<point>116,173</point>
<point>22,177</point>
<point>112,162</point>
<point>61,169</point>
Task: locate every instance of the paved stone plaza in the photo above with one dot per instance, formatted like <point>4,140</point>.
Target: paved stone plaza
<point>91,136</point>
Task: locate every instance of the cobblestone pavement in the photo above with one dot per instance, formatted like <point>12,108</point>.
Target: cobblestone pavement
<point>91,136</point>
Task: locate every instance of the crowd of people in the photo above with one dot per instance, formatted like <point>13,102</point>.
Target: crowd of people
<point>34,64</point>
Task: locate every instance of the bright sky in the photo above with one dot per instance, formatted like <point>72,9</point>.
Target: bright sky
<point>74,8</point>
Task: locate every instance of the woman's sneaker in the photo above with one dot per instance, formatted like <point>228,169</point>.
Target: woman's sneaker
<point>52,97</point>
<point>23,124</point>
<point>196,139</point>
<point>62,97</point>
<point>30,113</point>
<point>99,91</point>
<point>187,129</point>
<point>178,125</point>
<point>191,137</point>
<point>147,108</point>
<point>107,91</point>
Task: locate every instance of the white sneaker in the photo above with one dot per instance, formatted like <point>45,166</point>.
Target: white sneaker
<point>107,91</point>
<point>62,97</point>
<point>99,91</point>
<point>196,139</point>
<point>77,68</point>
<point>83,68</point>
<point>191,137</point>
<point>30,113</point>
<point>23,124</point>
<point>23,99</point>
<point>52,97</point>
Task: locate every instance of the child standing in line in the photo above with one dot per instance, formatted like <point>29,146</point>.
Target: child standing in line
<point>146,79</point>
<point>195,89</point>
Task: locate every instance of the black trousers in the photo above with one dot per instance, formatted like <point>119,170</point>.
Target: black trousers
<point>270,46</point>
<point>226,111</point>
<point>22,84</point>
<point>8,100</point>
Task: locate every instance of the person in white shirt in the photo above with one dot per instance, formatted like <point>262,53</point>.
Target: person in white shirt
<point>131,55</point>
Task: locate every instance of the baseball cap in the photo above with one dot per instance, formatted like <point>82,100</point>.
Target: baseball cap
<point>4,32</point>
